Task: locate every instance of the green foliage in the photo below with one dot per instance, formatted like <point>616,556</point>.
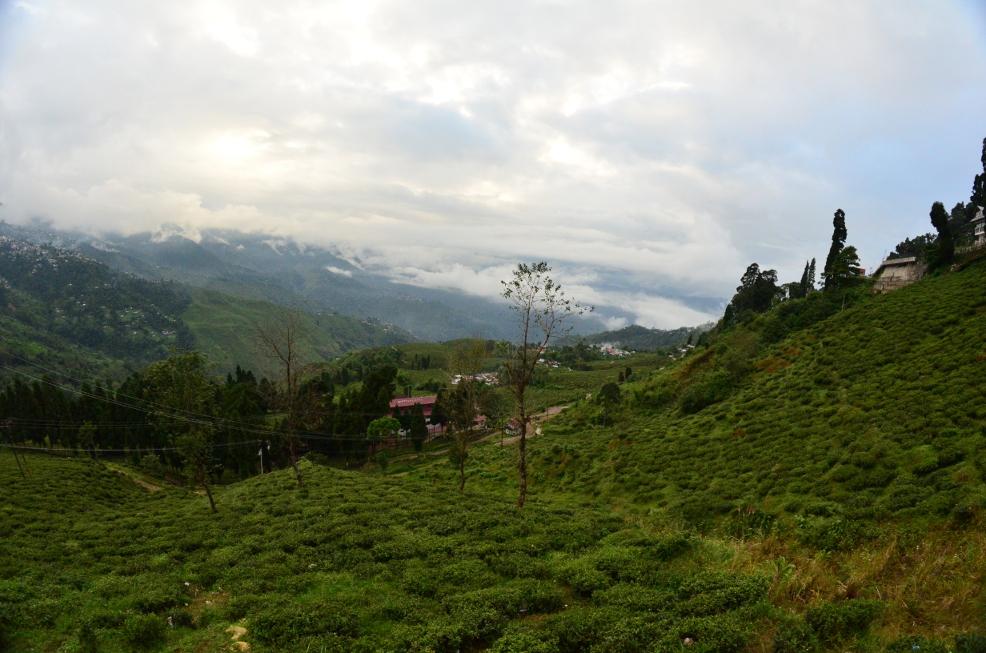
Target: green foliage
<point>144,631</point>
<point>363,562</point>
<point>833,622</point>
<point>282,623</point>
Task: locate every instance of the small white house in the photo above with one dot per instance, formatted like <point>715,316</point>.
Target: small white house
<point>979,228</point>
<point>896,273</point>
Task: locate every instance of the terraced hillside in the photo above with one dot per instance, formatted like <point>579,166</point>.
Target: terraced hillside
<point>350,562</point>
<point>848,450</point>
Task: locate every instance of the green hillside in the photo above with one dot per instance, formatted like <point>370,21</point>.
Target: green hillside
<point>423,367</point>
<point>351,562</point>
<point>811,479</point>
<point>639,338</point>
<point>877,411</point>
<point>850,452</point>
<point>223,327</point>
<point>66,311</point>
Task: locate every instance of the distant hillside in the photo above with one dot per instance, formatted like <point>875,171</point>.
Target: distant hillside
<point>63,309</point>
<point>287,273</point>
<point>639,338</point>
<point>68,312</point>
<point>223,327</point>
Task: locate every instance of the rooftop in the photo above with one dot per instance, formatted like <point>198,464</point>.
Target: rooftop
<point>407,402</point>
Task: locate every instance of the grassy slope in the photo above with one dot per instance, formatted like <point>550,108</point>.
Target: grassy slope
<point>852,457</point>
<point>840,487</point>
<point>223,327</point>
<point>352,562</point>
<point>876,412</point>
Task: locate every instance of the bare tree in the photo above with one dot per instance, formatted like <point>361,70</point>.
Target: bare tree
<point>278,339</point>
<point>463,402</point>
<point>544,312</point>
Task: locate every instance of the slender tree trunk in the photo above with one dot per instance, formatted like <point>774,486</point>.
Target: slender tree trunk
<point>208,493</point>
<point>522,459</point>
<point>462,474</point>
<point>17,460</point>
<point>294,462</point>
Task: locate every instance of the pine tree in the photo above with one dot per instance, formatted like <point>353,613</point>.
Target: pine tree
<point>803,284</point>
<point>839,235</point>
<point>811,278</point>
<point>945,247</point>
<point>978,197</point>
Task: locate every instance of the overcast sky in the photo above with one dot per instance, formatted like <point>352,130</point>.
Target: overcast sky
<point>649,150</point>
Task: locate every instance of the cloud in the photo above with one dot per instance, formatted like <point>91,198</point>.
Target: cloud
<point>650,151</point>
<point>334,270</point>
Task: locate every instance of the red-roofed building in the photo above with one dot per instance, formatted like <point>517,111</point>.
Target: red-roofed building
<point>403,405</point>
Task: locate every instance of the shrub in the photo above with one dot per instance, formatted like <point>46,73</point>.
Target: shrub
<point>835,621</point>
<point>916,645</point>
<point>831,534</point>
<point>970,643</point>
<point>144,631</point>
<point>795,637</point>
<point>526,641</point>
<point>279,624</point>
<point>583,577</point>
<point>705,390</point>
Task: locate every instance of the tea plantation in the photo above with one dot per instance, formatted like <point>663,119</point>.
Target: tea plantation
<point>811,480</point>
<point>349,562</point>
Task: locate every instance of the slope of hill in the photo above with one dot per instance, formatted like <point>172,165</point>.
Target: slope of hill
<point>354,562</point>
<point>875,412</point>
<point>639,338</point>
<point>63,310</point>
<point>846,445</point>
<point>57,307</point>
<point>287,273</point>
<point>223,328</point>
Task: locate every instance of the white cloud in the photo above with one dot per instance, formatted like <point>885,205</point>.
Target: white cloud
<point>654,149</point>
<point>334,270</point>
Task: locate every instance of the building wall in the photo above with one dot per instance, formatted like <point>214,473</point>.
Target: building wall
<point>893,277</point>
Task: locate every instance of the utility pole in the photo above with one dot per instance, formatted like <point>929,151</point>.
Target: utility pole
<point>261,453</point>
<point>13,448</point>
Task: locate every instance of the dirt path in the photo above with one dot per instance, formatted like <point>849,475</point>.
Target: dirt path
<point>536,420</point>
<point>133,476</point>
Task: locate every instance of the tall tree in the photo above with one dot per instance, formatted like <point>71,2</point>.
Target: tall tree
<point>845,268</point>
<point>811,277</point>
<point>802,289</point>
<point>945,246</point>
<point>461,404</point>
<point>978,197</point>
<point>756,292</point>
<point>543,311</point>
<point>609,399</point>
<point>195,449</point>
<point>184,396</point>
<point>279,340</point>
<point>381,430</point>
<point>839,235</point>
<point>418,427</point>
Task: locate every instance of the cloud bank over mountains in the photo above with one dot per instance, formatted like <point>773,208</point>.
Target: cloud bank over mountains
<point>650,150</point>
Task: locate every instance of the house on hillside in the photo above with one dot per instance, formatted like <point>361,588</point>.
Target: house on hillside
<point>403,405</point>
<point>896,273</point>
<point>979,229</point>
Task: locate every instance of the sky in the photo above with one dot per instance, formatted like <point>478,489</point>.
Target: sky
<point>649,150</point>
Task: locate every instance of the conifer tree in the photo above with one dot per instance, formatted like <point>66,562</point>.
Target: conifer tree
<point>839,235</point>
<point>803,284</point>
<point>945,247</point>
<point>978,197</point>
<point>811,278</point>
<point>419,428</point>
